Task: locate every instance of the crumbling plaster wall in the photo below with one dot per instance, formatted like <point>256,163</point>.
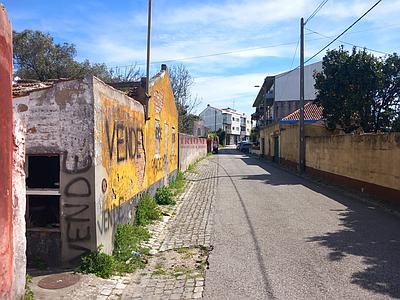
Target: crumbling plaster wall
<point>129,159</point>
<point>60,121</point>
<point>19,208</point>
<point>120,159</point>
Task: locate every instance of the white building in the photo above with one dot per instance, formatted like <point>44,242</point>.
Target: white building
<point>280,94</point>
<point>237,125</point>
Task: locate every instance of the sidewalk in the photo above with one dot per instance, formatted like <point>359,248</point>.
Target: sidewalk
<point>179,244</point>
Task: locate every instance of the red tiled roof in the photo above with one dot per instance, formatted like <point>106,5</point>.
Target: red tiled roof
<point>312,112</point>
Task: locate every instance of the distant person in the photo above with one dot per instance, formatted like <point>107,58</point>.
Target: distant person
<point>215,146</point>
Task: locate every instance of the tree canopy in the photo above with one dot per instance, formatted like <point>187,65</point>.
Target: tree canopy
<point>181,83</point>
<point>359,91</point>
<point>37,56</point>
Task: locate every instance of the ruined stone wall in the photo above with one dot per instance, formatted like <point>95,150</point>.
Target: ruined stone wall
<point>60,121</point>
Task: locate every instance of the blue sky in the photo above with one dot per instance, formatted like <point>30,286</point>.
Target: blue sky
<point>114,32</point>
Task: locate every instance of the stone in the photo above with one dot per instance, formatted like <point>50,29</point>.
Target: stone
<point>120,286</point>
<point>106,292</point>
<point>197,295</point>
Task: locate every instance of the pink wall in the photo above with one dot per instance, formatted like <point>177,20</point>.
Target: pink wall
<point>6,152</point>
<point>191,148</point>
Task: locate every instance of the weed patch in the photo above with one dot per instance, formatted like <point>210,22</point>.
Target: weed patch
<point>178,185</point>
<point>127,256</point>
<point>164,196</point>
<point>128,253</point>
<point>28,292</point>
<point>98,263</point>
<point>147,210</point>
<point>190,168</point>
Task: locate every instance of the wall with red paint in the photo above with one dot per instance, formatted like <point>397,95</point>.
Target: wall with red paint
<point>6,152</point>
<point>191,148</point>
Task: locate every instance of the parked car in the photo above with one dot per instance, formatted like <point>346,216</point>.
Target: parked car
<point>245,146</point>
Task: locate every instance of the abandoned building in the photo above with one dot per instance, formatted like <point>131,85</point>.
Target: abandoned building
<point>92,150</point>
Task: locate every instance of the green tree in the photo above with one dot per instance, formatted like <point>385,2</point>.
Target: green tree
<point>359,90</point>
<point>254,135</point>
<point>37,56</point>
<point>221,136</point>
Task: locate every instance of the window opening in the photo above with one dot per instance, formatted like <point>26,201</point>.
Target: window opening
<point>43,191</point>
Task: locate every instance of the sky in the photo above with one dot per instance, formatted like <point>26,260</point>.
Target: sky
<point>228,46</point>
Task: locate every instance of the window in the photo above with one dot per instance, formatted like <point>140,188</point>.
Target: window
<point>43,191</point>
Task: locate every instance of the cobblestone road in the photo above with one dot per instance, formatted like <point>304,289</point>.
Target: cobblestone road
<point>179,245</point>
<point>191,227</point>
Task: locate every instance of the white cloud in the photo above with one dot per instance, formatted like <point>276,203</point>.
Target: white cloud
<point>221,91</point>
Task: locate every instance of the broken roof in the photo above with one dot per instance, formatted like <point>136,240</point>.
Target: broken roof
<point>25,87</point>
<point>312,113</point>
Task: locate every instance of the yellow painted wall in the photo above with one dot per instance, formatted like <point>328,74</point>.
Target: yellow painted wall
<point>289,138</point>
<point>122,152</point>
<point>161,108</point>
<point>373,158</point>
<point>128,142</point>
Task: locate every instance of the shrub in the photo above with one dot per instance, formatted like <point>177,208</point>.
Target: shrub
<point>147,210</point>
<point>164,196</point>
<point>98,263</point>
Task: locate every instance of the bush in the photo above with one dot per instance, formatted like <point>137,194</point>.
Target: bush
<point>98,263</point>
<point>147,210</point>
<point>164,196</point>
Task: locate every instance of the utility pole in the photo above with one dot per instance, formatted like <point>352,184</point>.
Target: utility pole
<point>302,147</point>
<point>148,62</point>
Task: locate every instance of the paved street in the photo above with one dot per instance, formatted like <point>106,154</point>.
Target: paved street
<point>273,235</point>
<point>278,236</point>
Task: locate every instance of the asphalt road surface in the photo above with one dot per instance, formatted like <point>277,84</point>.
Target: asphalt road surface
<point>278,236</point>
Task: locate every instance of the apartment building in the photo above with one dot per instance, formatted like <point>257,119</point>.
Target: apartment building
<point>237,125</point>
<point>280,94</point>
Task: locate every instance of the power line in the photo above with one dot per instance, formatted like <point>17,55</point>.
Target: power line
<point>212,54</point>
<point>347,29</point>
<point>316,11</point>
<point>351,44</point>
